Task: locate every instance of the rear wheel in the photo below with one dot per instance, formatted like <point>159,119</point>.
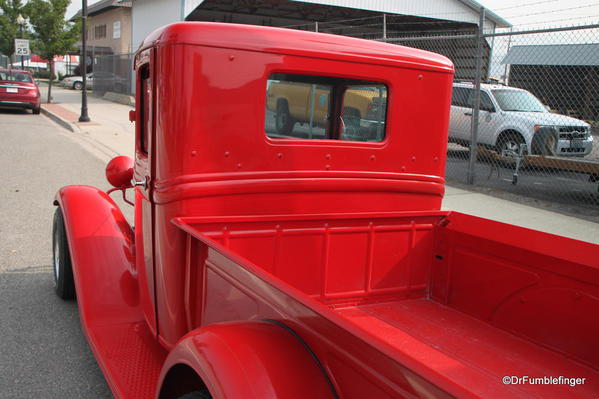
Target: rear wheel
<point>509,144</point>
<point>37,110</point>
<point>64,284</point>
<point>78,85</point>
<point>283,119</point>
<point>203,394</point>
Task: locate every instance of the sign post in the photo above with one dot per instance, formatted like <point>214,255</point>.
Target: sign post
<point>22,49</point>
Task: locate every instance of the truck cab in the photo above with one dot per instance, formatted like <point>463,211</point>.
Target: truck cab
<point>315,261</point>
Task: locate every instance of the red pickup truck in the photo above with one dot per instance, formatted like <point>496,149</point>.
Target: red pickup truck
<point>311,265</point>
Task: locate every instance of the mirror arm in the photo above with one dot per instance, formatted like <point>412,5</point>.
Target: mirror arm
<point>124,191</point>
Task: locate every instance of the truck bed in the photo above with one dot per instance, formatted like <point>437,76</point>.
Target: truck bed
<point>469,351</point>
<point>460,301</point>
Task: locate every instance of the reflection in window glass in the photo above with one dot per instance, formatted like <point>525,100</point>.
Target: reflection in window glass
<point>317,107</point>
<point>363,113</point>
<point>297,110</point>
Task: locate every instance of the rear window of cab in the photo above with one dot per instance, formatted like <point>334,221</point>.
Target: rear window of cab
<point>325,108</point>
<point>15,77</point>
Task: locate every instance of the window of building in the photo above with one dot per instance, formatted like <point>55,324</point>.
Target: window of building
<point>100,32</point>
<point>116,30</point>
<point>318,107</point>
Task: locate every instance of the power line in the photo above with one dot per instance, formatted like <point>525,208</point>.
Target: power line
<point>524,5</point>
<point>557,20</point>
<point>552,11</point>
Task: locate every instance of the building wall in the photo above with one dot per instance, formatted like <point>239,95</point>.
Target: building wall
<point>148,15</point>
<point>119,45</point>
<point>569,89</point>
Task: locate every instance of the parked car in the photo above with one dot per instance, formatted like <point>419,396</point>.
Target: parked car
<point>76,82</point>
<point>19,90</point>
<point>107,80</point>
<point>510,117</point>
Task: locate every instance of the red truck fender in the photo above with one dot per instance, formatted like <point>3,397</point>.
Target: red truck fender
<point>101,242</point>
<point>245,360</point>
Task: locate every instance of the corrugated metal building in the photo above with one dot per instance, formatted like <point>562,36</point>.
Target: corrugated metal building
<point>395,21</point>
<point>563,76</point>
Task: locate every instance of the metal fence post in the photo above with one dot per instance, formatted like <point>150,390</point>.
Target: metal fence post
<point>385,27</point>
<point>476,102</point>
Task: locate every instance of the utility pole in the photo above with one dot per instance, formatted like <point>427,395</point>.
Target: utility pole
<point>21,22</point>
<point>83,63</point>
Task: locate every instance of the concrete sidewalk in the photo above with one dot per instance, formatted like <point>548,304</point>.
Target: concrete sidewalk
<point>110,134</point>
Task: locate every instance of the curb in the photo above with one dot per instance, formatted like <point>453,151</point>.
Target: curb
<point>65,124</point>
<point>124,99</point>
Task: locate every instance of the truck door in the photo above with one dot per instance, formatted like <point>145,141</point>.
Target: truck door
<point>461,114</point>
<point>144,170</point>
<point>487,120</point>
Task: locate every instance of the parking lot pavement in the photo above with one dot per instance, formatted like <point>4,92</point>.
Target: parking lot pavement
<point>43,353</point>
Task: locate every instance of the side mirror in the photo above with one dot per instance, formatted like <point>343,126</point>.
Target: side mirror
<point>119,172</point>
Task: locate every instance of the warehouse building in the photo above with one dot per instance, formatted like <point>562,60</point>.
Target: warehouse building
<point>412,22</point>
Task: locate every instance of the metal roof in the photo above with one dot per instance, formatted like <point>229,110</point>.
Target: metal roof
<point>501,22</point>
<point>440,9</point>
<point>554,54</point>
<point>102,6</point>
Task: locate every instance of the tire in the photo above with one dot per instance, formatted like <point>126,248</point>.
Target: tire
<point>78,85</point>
<point>36,111</point>
<point>544,142</point>
<point>64,284</point>
<point>351,116</point>
<point>509,142</point>
<point>283,120</point>
<point>203,394</point>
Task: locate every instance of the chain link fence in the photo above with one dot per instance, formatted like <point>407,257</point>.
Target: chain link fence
<point>537,134</point>
<point>113,73</point>
<point>537,108</point>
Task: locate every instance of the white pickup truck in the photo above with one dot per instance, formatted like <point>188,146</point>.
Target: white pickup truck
<point>510,117</point>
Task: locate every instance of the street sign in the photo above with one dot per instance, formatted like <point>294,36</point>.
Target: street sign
<point>22,47</point>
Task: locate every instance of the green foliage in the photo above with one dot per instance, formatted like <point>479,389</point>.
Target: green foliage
<point>51,33</point>
<point>9,29</point>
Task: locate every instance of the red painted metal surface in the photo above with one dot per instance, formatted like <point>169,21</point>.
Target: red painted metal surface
<point>119,172</point>
<point>341,241</point>
<point>103,256</point>
<point>454,306</point>
<point>280,365</point>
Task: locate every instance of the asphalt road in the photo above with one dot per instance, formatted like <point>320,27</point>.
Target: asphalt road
<point>43,353</point>
<point>571,190</point>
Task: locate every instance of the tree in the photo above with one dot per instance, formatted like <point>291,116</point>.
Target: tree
<point>9,29</point>
<point>51,33</point>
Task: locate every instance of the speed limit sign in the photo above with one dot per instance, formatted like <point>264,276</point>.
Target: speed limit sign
<point>22,47</point>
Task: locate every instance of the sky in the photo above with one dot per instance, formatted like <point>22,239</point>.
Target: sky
<point>521,13</point>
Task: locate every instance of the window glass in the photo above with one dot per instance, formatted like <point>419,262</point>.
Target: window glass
<point>364,113</point>
<point>15,77</point>
<point>297,110</point>
<point>317,107</point>
<point>485,102</point>
<point>146,99</point>
<point>116,30</point>
<point>518,100</point>
<point>460,97</point>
